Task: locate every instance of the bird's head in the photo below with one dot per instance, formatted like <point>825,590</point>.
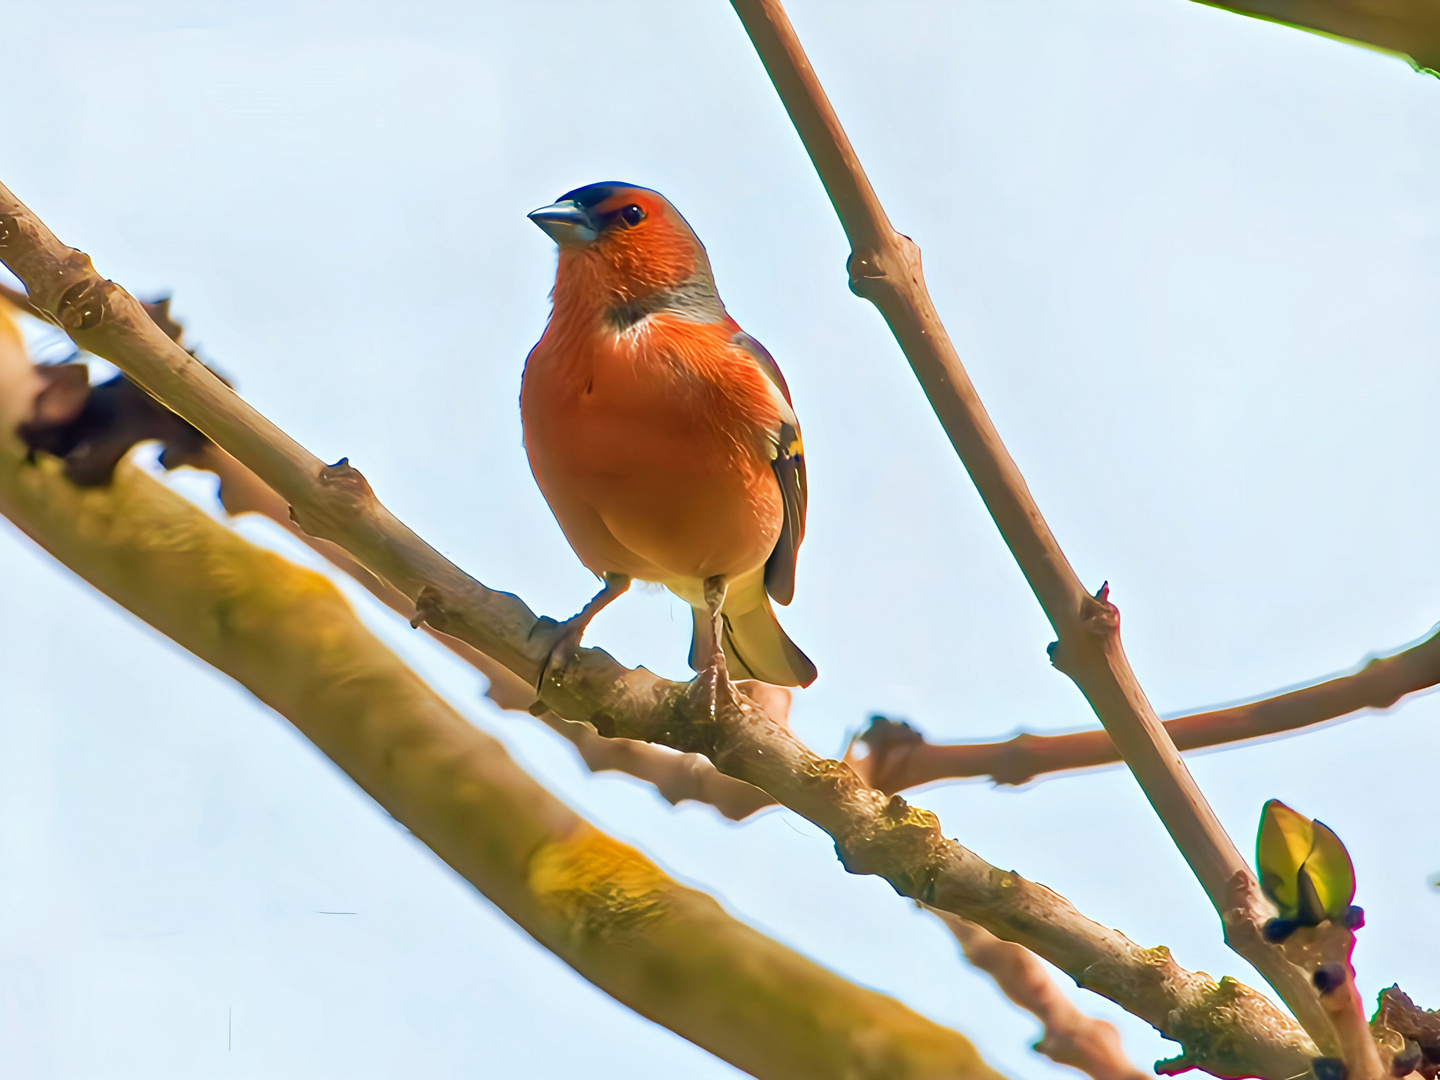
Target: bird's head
<point>626,253</point>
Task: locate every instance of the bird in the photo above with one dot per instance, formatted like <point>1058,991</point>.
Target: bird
<point>662,435</point>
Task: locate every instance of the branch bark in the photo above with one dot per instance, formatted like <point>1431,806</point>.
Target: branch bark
<point>1070,1037</point>
<point>286,634</point>
<point>885,269</point>
<point>676,776</point>
<point>1225,1028</point>
<point>899,757</point>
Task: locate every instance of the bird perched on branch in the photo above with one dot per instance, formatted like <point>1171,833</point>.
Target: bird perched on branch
<point>662,435</point>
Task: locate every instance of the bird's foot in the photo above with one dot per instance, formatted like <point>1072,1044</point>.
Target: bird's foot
<point>564,638</point>
<point>564,644</point>
<point>720,693</point>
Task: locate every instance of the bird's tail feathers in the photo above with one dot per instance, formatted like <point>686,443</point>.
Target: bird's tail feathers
<point>756,647</point>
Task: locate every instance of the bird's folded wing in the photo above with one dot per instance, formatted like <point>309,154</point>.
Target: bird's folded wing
<point>789,466</point>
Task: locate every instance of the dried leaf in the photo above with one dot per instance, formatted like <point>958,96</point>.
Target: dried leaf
<point>91,428</point>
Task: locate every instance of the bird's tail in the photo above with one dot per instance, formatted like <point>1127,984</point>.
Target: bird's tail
<point>755,648</point>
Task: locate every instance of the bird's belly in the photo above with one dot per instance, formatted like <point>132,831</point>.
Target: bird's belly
<point>674,491</point>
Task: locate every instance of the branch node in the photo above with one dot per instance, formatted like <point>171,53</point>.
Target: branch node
<point>82,306</point>
<point>1329,976</point>
<point>344,476</point>
<point>429,608</point>
<point>342,495</point>
<point>866,268</point>
<point>897,844</point>
<point>1098,615</point>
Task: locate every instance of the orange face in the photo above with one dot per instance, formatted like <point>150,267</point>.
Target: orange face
<point>620,244</point>
<point>644,246</point>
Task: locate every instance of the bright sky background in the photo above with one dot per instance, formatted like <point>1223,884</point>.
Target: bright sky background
<point>1189,259</point>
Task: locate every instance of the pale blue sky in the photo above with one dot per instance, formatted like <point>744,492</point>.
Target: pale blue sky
<point>1187,257</point>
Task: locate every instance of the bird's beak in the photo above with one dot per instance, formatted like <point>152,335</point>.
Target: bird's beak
<point>566,222</point>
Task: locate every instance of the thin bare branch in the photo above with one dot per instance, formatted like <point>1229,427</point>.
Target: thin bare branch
<point>19,300</point>
<point>899,757</point>
<point>1071,1038</point>
<point>1225,1028</point>
<point>885,269</point>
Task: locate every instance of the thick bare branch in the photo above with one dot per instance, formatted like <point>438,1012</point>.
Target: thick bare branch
<point>1226,1028</point>
<point>669,952</point>
<point>885,269</point>
<point>1408,27</point>
<point>899,757</point>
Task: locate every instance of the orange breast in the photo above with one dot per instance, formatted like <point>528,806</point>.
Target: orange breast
<point>648,448</point>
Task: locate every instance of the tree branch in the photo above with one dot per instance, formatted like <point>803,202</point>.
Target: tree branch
<point>93,442</point>
<point>676,776</point>
<point>19,300</point>
<point>668,952</point>
<point>1408,27</point>
<point>1226,1028</point>
<point>885,269</point>
<point>1070,1037</point>
<point>899,757</point>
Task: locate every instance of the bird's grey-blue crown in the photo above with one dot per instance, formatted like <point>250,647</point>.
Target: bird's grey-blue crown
<point>592,195</point>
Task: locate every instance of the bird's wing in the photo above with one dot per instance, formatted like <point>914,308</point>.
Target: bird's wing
<point>789,466</point>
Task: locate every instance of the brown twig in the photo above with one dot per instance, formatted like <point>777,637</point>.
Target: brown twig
<point>21,301</point>
<point>899,757</point>
<point>1226,1028</point>
<point>885,269</point>
<point>1325,953</point>
<point>1408,27</point>
<point>1410,1034</point>
<point>1070,1037</point>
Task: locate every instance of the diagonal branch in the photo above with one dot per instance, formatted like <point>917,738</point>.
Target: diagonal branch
<point>1070,1037</point>
<point>93,440</point>
<point>1408,27</point>
<point>286,634</point>
<point>676,776</point>
<point>19,300</point>
<point>1226,1028</point>
<point>899,757</point>
<point>885,269</point>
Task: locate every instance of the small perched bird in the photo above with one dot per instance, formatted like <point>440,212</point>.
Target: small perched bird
<point>662,435</point>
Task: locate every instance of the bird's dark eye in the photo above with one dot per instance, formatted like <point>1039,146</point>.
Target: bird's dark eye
<point>632,215</point>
